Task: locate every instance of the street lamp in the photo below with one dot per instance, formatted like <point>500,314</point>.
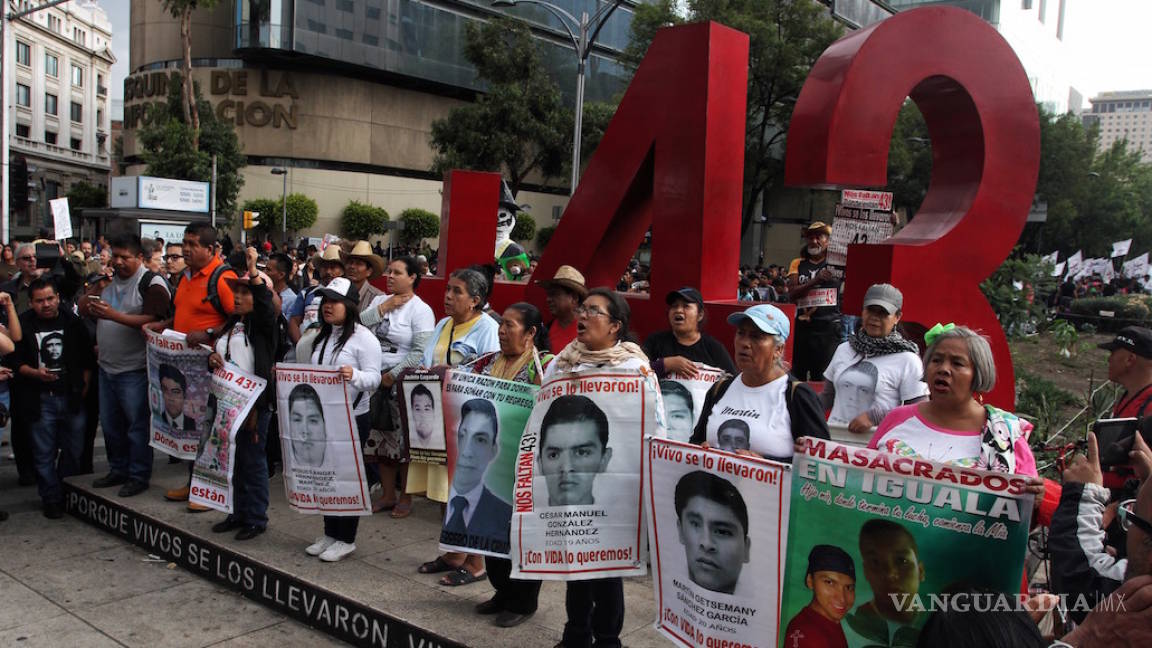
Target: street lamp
<point>583,33</point>
<point>280,171</point>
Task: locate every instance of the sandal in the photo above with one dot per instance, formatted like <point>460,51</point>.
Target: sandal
<point>380,506</point>
<point>401,510</point>
<point>437,566</point>
<point>460,577</point>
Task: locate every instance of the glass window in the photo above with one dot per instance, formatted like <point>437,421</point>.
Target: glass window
<point>77,76</point>
<point>23,130</point>
<point>49,137</point>
<point>23,53</point>
<point>77,112</point>
<point>23,95</point>
<point>51,65</point>
<point>75,144</point>
<point>50,103</point>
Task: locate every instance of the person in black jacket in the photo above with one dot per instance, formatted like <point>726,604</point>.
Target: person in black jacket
<point>676,351</point>
<point>54,363</point>
<point>246,340</point>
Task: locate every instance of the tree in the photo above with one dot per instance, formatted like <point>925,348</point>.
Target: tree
<point>543,236</point>
<point>189,101</point>
<point>267,208</point>
<point>166,147</point>
<point>519,126</point>
<point>525,227</point>
<point>302,212</point>
<point>419,224</point>
<point>909,159</point>
<point>83,194</point>
<point>360,221</point>
<point>786,39</point>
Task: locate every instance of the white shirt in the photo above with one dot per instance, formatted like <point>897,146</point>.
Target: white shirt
<point>886,381</point>
<point>762,410</point>
<point>396,329</point>
<point>362,353</point>
<point>473,497</point>
<point>234,347</point>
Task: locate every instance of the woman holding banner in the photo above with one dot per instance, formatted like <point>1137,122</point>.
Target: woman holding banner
<point>762,411</point>
<point>463,336</point>
<point>346,343</point>
<point>403,323</point>
<point>596,607</point>
<point>676,351</point>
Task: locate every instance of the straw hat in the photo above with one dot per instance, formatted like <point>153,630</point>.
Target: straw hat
<point>817,227</point>
<point>568,278</point>
<point>331,254</point>
<point>363,251</point>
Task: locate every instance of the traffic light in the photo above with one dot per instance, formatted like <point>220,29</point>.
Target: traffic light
<point>18,182</point>
<point>250,219</point>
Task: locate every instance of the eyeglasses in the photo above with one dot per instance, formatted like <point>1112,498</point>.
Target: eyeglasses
<point>1128,517</point>
<point>170,257</point>
<point>590,312</point>
<point>26,258</point>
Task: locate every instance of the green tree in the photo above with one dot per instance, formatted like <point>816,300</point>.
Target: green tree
<point>519,126</point>
<point>267,208</point>
<point>419,224</point>
<point>359,221</point>
<point>167,148</point>
<point>786,38</point>
<point>189,98</point>
<point>909,159</point>
<point>525,228</point>
<point>543,236</point>
<point>84,194</point>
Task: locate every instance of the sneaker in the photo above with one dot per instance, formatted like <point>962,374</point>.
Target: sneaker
<point>53,511</point>
<point>132,488</point>
<point>320,546</point>
<point>338,551</point>
<point>111,479</point>
<point>177,494</point>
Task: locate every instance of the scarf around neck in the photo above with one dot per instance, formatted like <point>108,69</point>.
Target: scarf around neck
<point>577,354</point>
<point>869,346</point>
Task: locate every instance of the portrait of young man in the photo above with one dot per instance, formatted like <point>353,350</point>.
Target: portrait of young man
<point>573,450</point>
<point>712,522</point>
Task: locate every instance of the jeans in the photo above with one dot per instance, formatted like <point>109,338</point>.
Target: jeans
<point>57,443</point>
<point>343,527</point>
<point>250,475</point>
<point>126,421</point>
<point>848,326</point>
<point>595,613</point>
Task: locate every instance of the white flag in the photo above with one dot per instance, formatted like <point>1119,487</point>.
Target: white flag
<point>1074,262</point>
<point>61,219</point>
<point>1052,258</point>
<point>1058,270</point>
<point>1120,248</point>
<point>1137,268</point>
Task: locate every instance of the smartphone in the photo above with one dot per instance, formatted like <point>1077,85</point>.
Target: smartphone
<point>1114,438</point>
<point>95,298</point>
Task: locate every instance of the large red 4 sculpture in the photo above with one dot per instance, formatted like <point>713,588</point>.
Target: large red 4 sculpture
<point>673,156</point>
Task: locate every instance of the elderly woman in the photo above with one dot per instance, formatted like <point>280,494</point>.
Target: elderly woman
<point>676,351</point>
<point>763,399</point>
<point>876,370</point>
<point>463,336</point>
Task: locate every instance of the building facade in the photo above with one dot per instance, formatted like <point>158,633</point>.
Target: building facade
<point>1123,116</point>
<point>343,94</point>
<point>58,105</point>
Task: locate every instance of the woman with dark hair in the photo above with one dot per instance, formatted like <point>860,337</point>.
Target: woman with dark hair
<point>402,323</point>
<point>675,352</point>
<point>344,342</point>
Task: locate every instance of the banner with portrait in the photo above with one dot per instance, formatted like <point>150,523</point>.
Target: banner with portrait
<point>422,416</point>
<point>487,417</point>
<point>233,394</point>
<point>716,522</point>
<point>178,387</point>
<point>684,399</point>
<point>873,537</point>
<point>323,458</point>
<point>577,510</point>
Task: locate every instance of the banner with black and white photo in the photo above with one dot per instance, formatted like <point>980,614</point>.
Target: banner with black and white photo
<point>234,393</point>
<point>422,416</point>
<point>323,458</point>
<point>487,416</point>
<point>577,510</point>
<point>178,387</point>
<point>684,399</point>
<point>717,525</point>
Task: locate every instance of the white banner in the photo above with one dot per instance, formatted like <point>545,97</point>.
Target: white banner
<point>717,525</point>
<point>234,392</point>
<point>1053,258</point>
<point>1074,263</point>
<point>61,218</point>
<point>865,199</point>
<point>1120,248</point>
<point>857,225</point>
<point>178,387</point>
<point>1058,269</point>
<point>684,399</point>
<point>323,457</point>
<point>577,501</point>
<point>1137,268</point>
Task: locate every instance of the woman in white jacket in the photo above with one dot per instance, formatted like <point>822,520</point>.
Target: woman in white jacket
<point>346,343</point>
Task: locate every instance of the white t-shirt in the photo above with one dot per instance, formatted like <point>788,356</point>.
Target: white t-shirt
<point>233,347</point>
<point>753,418</point>
<point>396,329</point>
<point>887,381</point>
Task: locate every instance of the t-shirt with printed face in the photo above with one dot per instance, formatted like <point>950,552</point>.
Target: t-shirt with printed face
<point>823,292</point>
<point>886,381</point>
<point>752,418</point>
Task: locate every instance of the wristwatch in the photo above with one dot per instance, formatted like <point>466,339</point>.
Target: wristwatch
<point>211,332</point>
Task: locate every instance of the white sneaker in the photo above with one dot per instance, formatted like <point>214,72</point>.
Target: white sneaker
<point>337,551</point>
<point>322,543</point>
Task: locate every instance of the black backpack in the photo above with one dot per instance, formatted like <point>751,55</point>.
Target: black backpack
<point>146,282</point>
<point>213,296</point>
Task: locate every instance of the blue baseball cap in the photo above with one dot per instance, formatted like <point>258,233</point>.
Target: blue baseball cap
<point>766,317</point>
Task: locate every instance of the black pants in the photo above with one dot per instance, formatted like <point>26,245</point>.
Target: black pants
<point>513,594</point>
<point>595,613</point>
<point>92,409</point>
<point>22,446</point>
<point>816,342</point>
<point>343,527</point>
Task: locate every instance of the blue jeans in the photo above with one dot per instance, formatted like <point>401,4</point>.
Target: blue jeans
<point>250,474</point>
<point>57,442</point>
<point>125,418</point>
<point>848,325</point>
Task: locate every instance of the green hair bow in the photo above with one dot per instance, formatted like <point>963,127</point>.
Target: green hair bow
<point>936,331</point>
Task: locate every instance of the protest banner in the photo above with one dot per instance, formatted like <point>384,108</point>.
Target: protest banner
<point>1053,258</point>
<point>717,523</point>
<point>1058,269</point>
<point>1136,268</point>
<point>684,398</point>
<point>856,514</point>
<point>323,458</point>
<point>577,510</point>
<point>178,387</point>
<point>422,416</point>
<point>861,217</point>
<point>866,199</point>
<point>1120,248</point>
<point>61,218</point>
<point>232,396</point>
<point>487,417</point>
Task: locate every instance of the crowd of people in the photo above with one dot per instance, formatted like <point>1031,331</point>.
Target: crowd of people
<point>74,354</point>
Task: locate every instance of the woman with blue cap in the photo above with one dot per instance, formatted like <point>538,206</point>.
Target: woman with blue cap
<point>762,411</point>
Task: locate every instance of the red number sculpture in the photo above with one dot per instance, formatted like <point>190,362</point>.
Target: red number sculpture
<point>985,133</point>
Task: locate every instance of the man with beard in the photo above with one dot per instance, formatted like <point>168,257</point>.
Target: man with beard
<point>814,287</point>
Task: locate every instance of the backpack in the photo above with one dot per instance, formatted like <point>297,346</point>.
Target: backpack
<point>213,296</point>
<point>146,282</point>
<point>719,389</point>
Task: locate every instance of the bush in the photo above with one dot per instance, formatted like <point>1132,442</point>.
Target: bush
<point>419,224</point>
<point>302,212</point>
<point>1041,401</point>
<point>1017,314</point>
<point>83,194</point>
<point>359,221</point>
<point>1131,307</point>
<point>268,209</point>
<point>543,236</point>
<point>525,228</point>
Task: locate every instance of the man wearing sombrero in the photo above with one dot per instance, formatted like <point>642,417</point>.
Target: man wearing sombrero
<point>815,289</point>
<point>361,266</point>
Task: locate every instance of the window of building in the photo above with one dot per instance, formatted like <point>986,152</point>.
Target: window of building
<point>100,89</point>
<point>77,112</point>
<point>49,137</point>
<point>1043,10</point>
<point>345,34</point>
<point>345,5</point>
<point>50,102</point>
<point>54,23</point>
<point>75,144</point>
<point>370,39</point>
<point>51,65</point>
<point>23,54</point>
<point>77,76</point>
<point>79,36</point>
<point>99,117</point>
<point>23,130</point>
<point>372,13</point>
<point>23,95</point>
